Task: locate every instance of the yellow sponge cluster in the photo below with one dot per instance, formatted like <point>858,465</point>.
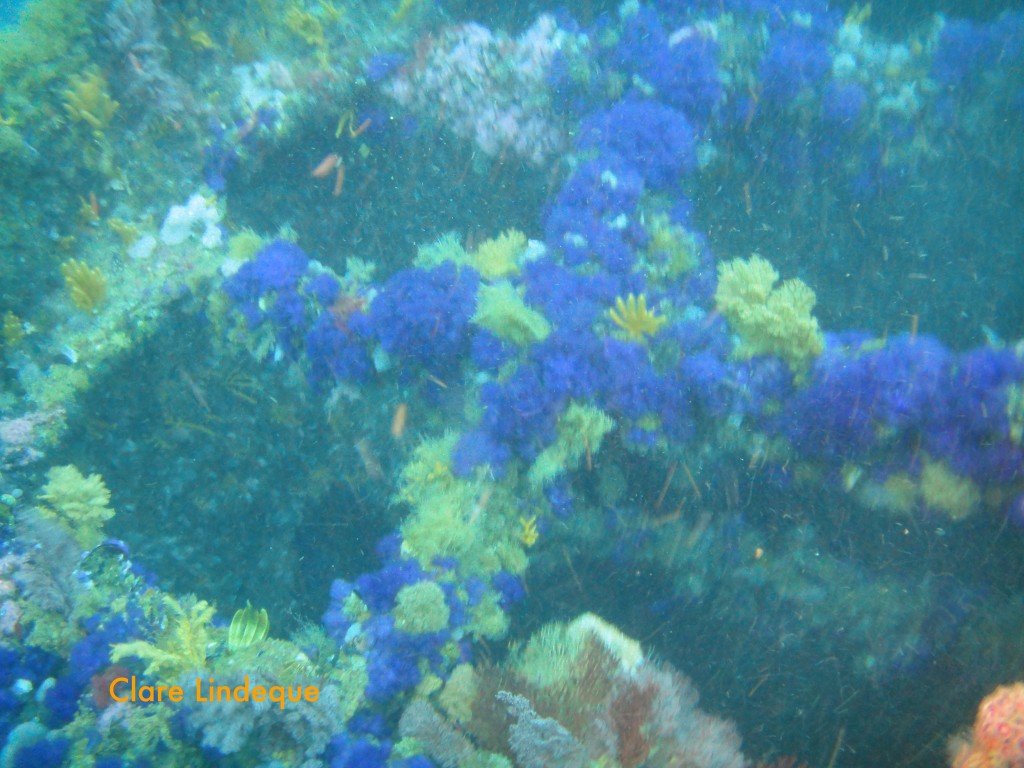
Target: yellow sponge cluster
<point>769,320</point>
<point>494,259</point>
<point>581,430</point>
<point>421,608</point>
<point>81,504</point>
<point>939,489</point>
<point>499,256</point>
<point>501,310</point>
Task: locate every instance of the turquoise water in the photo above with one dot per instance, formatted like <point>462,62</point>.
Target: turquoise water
<point>9,12</point>
<point>533,369</point>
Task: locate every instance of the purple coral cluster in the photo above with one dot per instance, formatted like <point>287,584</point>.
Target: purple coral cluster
<point>396,658</point>
<point>641,59</point>
<point>420,318</point>
<point>680,67</point>
<point>907,395</point>
<point>797,60</point>
<point>857,399</point>
<point>636,150</point>
<point>655,138</point>
<point>267,290</point>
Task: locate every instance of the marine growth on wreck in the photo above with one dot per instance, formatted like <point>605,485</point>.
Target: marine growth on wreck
<point>444,385</point>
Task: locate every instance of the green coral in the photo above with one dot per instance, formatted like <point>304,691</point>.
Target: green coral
<point>442,523</point>
<point>82,504</point>
<point>938,488</point>
<point>499,256</point>
<point>769,320</point>
<point>494,258</point>
<point>136,736</point>
<point>1015,412</point>
<point>420,608</point>
<point>554,654</point>
<point>36,50</point>
<point>580,429</point>
<point>12,146</point>
<point>305,25</point>
<point>56,387</point>
<point>944,490</point>
<point>473,520</point>
<point>244,244</point>
<point>448,247</point>
<point>898,494</point>
<point>487,619</point>
<point>428,470</point>
<point>459,693</point>
<point>183,645</point>
<point>501,310</point>
<point>674,249</point>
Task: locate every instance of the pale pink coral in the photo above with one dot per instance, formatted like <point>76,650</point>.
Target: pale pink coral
<point>10,618</point>
<point>488,88</point>
<point>20,438</point>
<point>10,611</point>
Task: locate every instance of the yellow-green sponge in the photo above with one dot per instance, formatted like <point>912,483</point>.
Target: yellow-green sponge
<point>420,608</point>
<point>500,310</point>
<point>768,320</point>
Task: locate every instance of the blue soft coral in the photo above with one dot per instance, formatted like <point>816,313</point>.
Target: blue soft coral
<point>422,315</point>
<point>683,75</point>
<point>656,139</point>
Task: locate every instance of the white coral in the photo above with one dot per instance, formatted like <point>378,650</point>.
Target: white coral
<point>197,217</point>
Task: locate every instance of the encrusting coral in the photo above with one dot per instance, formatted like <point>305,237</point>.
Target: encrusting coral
<point>678,249</point>
<point>997,740</point>
<point>494,258</point>
<point>769,320</point>
<point>13,329</point>
<point>951,494</point>
<point>938,488</point>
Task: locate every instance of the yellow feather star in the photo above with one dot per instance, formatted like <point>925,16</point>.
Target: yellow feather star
<point>633,316</point>
<point>529,534</point>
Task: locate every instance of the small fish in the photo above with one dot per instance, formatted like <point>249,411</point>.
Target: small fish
<point>339,180</point>
<point>992,338</point>
<point>398,421</point>
<point>326,166</point>
<point>195,389</point>
<point>370,461</point>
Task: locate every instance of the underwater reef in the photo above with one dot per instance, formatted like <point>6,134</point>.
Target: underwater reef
<point>388,386</point>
